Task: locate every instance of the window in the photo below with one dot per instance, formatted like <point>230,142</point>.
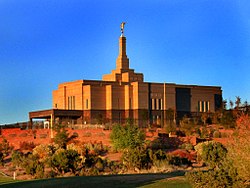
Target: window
<point>156,104</point>
<point>71,103</point>
<point>203,106</point>
<point>159,105</point>
<point>87,104</point>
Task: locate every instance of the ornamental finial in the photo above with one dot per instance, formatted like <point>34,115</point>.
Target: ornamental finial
<point>122,27</point>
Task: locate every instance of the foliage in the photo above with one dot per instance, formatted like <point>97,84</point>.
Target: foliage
<point>216,134</point>
<point>65,161</point>
<point>214,179</point>
<point>187,146</point>
<point>222,172</point>
<point>96,148</point>
<point>187,125</point>
<point>44,152</point>
<point>5,150</point>
<point>170,121</point>
<point>212,153</point>
<point>33,166</point>
<point>136,158</point>
<point>62,136</point>
<point>127,137</point>
<point>239,149</point>
<point>228,119</point>
<point>27,145</point>
<point>16,158</point>
<point>160,143</point>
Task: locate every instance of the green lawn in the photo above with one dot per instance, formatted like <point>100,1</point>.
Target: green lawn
<point>169,180</point>
<point>4,180</point>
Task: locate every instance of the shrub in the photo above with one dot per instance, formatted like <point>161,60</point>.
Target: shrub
<point>160,143</point>
<point>239,149</point>
<point>129,136</point>
<point>32,166</point>
<point>87,134</point>
<point>226,176</point>
<point>44,151</point>
<point>217,134</point>
<point>136,158</point>
<point>62,136</point>
<point>75,135</point>
<point>5,147</point>
<point>187,146</point>
<point>65,161</point>
<point>23,135</point>
<point>43,135</point>
<point>16,158</point>
<point>12,135</point>
<point>100,134</point>
<point>213,154</point>
<point>179,161</point>
<point>27,145</point>
<point>96,148</point>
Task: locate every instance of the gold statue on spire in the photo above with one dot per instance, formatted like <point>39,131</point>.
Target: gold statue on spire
<point>122,27</point>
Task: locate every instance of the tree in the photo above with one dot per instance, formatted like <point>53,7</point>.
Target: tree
<point>231,103</point>
<point>237,102</point>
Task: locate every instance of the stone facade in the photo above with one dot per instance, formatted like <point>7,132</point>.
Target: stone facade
<point>123,94</point>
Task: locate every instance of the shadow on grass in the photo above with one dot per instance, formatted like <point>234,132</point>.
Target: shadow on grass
<point>131,180</point>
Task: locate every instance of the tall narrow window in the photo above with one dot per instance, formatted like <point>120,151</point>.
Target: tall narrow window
<point>207,106</point>
<point>130,103</point>
<point>71,102</point>
<point>87,104</point>
<point>202,106</point>
<point>153,104</point>
<point>159,105</point>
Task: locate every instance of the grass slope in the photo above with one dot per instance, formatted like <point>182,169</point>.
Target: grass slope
<point>135,180</point>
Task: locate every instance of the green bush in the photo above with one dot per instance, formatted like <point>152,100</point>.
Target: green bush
<point>136,158</point>
<point>33,166</point>
<point>127,137</point>
<point>216,134</point>
<point>16,158</point>
<point>226,176</point>
<point>213,154</point>
<point>187,146</point>
<point>62,136</point>
<point>5,150</point>
<point>64,161</point>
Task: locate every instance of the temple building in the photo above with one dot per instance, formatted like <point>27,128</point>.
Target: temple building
<point>123,94</point>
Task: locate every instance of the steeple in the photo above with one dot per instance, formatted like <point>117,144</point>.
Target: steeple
<point>122,61</point>
<point>123,73</point>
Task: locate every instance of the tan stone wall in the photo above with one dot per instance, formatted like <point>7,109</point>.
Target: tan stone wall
<point>86,97</point>
<point>65,90</point>
<point>98,97</point>
<point>203,94</point>
<point>170,97</point>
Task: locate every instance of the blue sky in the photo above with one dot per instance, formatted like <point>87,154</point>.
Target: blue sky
<point>46,42</point>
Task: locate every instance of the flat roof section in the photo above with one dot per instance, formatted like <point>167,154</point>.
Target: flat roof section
<point>55,113</point>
